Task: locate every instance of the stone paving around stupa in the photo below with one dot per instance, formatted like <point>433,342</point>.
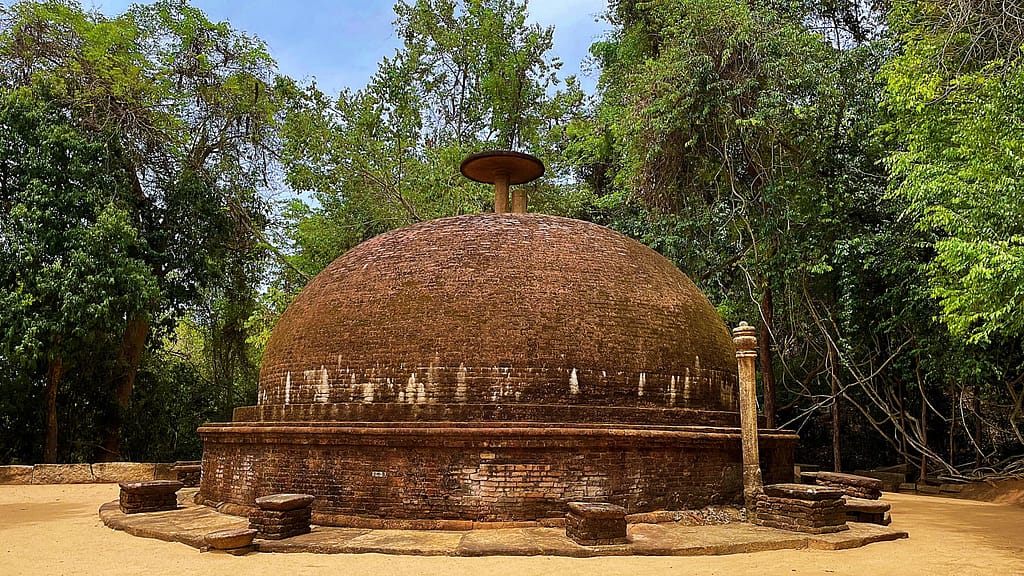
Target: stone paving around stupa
<point>190,523</point>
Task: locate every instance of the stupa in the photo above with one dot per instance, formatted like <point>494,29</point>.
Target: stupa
<point>492,368</point>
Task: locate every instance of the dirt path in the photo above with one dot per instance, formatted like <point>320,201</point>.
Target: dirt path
<point>56,530</point>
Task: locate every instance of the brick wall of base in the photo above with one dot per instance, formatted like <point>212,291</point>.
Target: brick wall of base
<point>481,472</point>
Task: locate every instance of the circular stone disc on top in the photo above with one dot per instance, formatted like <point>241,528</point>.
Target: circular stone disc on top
<point>521,168</point>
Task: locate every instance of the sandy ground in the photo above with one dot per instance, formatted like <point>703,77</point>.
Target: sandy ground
<point>56,530</point>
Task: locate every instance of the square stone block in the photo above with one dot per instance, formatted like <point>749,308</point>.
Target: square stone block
<point>596,523</point>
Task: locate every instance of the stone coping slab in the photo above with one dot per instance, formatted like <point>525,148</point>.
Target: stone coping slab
<point>850,480</point>
<point>803,492</point>
<point>191,523</point>
<point>151,487</point>
<point>285,502</point>
<point>597,510</point>
<point>96,473</point>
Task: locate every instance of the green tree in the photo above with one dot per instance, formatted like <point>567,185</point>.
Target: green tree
<point>955,95</point>
<point>69,255</point>
<point>186,110</point>
<point>469,76</point>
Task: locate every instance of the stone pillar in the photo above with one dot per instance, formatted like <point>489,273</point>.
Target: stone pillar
<point>500,192</point>
<point>746,356</point>
<point>519,201</point>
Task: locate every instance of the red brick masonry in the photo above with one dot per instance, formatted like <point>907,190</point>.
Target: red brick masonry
<point>480,472</point>
<point>501,309</point>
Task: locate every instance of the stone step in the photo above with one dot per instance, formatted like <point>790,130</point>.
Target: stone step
<point>866,506</point>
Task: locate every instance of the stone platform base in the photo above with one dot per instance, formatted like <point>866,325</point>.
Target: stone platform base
<point>452,472</point>
<point>191,523</point>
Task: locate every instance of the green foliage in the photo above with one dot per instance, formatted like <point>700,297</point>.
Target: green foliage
<point>135,149</point>
<point>69,253</point>
<point>469,76</point>
<point>952,95</point>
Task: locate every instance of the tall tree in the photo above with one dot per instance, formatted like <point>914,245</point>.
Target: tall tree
<point>186,109</point>
<point>70,258</point>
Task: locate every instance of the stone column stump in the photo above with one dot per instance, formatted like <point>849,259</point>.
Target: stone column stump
<point>851,484</point>
<point>281,516</point>
<point>151,496</point>
<point>189,472</point>
<point>596,523</point>
<point>801,508</point>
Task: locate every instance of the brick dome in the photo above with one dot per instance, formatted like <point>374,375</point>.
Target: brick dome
<point>498,317</point>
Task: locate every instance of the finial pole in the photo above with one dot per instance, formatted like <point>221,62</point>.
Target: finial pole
<point>519,201</point>
<point>500,192</point>
<point>746,354</point>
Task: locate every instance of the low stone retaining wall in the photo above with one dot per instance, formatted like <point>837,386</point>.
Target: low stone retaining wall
<point>99,473</point>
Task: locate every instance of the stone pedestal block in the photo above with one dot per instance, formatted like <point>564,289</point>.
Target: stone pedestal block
<point>280,516</point>
<point>152,496</point>
<point>188,473</point>
<point>595,523</point>
<point>851,484</point>
<point>801,508</point>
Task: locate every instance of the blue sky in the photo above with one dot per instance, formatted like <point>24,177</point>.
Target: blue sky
<point>339,42</point>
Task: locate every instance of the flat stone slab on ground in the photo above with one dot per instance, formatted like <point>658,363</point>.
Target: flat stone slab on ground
<point>231,538</point>
<point>191,523</point>
<point>866,506</point>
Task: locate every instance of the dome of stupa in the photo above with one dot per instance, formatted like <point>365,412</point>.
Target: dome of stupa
<point>509,309</point>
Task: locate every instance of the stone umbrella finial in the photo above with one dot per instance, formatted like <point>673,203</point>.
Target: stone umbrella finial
<point>503,168</point>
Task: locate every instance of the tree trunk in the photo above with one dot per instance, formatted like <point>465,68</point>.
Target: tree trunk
<point>952,424</point>
<point>132,345</point>
<point>924,421</point>
<point>764,341</point>
<point>902,421</point>
<point>837,464</point>
<point>54,374</point>
<point>978,455</point>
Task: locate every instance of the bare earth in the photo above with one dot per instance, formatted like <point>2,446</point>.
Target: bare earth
<point>56,530</point>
